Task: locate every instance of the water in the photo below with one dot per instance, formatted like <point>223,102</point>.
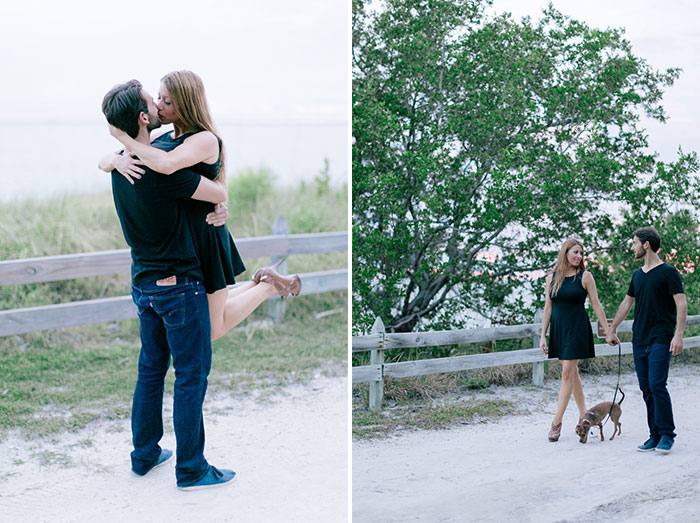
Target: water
<point>43,160</point>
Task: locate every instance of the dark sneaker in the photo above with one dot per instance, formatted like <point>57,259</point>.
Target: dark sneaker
<point>165,455</point>
<point>213,478</point>
<point>648,445</point>
<point>664,445</point>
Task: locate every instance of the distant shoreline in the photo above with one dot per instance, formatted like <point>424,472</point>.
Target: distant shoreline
<point>55,158</point>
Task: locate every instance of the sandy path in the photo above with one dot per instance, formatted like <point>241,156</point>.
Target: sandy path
<point>290,453</point>
<point>507,471</point>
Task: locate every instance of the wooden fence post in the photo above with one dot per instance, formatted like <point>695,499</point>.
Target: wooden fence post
<point>537,367</point>
<point>277,307</point>
<point>376,388</point>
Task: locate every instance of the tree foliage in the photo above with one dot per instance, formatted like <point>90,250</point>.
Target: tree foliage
<point>480,143</point>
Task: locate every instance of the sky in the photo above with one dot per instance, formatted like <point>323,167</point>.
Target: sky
<point>272,61</point>
<point>276,75</point>
<point>663,33</point>
<point>261,61</point>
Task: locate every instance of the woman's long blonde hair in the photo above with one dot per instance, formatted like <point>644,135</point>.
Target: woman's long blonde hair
<point>563,264</point>
<point>186,92</point>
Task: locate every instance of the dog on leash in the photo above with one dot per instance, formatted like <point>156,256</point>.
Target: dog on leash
<point>594,418</point>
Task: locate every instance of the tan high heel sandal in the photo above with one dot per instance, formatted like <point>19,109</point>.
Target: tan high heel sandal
<point>554,432</point>
<point>284,285</point>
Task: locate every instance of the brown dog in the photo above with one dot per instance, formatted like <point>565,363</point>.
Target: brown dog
<point>595,416</point>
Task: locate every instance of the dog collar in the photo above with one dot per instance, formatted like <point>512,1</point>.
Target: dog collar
<point>595,416</point>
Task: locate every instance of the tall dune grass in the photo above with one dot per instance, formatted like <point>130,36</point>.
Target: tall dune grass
<point>62,379</point>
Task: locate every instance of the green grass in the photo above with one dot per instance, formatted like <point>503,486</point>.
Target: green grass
<point>53,381</point>
<point>61,380</point>
<point>409,403</point>
<point>88,223</point>
<point>417,416</point>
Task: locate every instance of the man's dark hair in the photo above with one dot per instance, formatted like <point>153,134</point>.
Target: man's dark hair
<point>122,106</point>
<point>649,234</point>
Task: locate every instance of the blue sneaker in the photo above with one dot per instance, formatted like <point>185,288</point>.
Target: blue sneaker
<point>165,455</point>
<point>648,445</point>
<point>213,478</point>
<point>665,445</point>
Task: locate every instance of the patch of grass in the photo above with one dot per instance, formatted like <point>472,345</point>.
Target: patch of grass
<point>56,384</point>
<point>86,443</point>
<point>366,424</point>
<point>54,381</point>
<point>459,383</point>
<point>410,402</point>
<point>47,457</point>
<point>88,223</point>
<point>254,205</point>
<point>286,352</point>
<point>431,386</point>
<point>687,357</point>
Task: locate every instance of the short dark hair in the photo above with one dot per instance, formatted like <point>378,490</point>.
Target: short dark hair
<point>649,234</point>
<point>122,106</point>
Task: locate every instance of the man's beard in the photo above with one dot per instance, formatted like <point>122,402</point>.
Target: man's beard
<point>639,254</point>
<point>153,123</point>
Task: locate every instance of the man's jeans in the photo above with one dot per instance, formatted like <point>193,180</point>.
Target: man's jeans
<point>174,320</point>
<point>651,363</point>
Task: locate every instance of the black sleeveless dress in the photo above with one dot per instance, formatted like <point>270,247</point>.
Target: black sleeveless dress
<point>570,334</point>
<point>216,250</point>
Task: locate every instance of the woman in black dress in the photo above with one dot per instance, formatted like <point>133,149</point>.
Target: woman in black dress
<point>195,143</point>
<point>570,334</point>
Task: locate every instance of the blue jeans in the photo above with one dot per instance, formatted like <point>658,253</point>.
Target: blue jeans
<point>651,363</point>
<point>174,320</point>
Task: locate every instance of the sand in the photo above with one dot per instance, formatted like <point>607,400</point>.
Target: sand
<point>290,453</point>
<point>507,470</point>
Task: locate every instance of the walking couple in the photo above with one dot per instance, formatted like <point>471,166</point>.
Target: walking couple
<point>660,311</point>
<point>183,260</point>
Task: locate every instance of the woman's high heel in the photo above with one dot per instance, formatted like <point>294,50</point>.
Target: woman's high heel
<point>274,267</point>
<point>276,281</point>
<point>284,285</point>
<point>554,432</point>
<point>295,287</point>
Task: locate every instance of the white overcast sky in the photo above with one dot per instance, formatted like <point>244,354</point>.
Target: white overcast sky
<point>666,34</point>
<point>264,60</point>
<point>272,60</point>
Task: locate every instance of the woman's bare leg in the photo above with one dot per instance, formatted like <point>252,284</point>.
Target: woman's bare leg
<point>226,309</point>
<point>238,289</point>
<point>569,369</point>
<point>577,390</point>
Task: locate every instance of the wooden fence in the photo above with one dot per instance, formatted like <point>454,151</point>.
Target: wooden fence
<point>70,266</point>
<point>379,341</point>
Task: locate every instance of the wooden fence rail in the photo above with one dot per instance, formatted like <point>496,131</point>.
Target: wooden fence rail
<point>70,266</point>
<point>379,341</point>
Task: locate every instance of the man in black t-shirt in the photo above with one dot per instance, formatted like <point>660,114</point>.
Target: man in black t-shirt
<point>660,311</point>
<point>172,303</point>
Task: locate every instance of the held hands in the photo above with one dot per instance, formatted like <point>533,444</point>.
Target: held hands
<point>676,345</point>
<point>611,338</point>
<point>127,164</point>
<point>218,216</point>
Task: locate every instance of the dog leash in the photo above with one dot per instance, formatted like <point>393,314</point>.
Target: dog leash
<point>617,387</point>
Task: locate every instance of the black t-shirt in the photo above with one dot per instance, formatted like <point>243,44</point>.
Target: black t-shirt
<point>155,225</point>
<point>654,306</point>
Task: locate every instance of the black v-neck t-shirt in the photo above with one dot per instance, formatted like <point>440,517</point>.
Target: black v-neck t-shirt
<point>654,306</point>
<point>155,225</point>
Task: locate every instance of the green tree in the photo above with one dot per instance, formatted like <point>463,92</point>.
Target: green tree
<point>479,144</point>
<point>613,266</point>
